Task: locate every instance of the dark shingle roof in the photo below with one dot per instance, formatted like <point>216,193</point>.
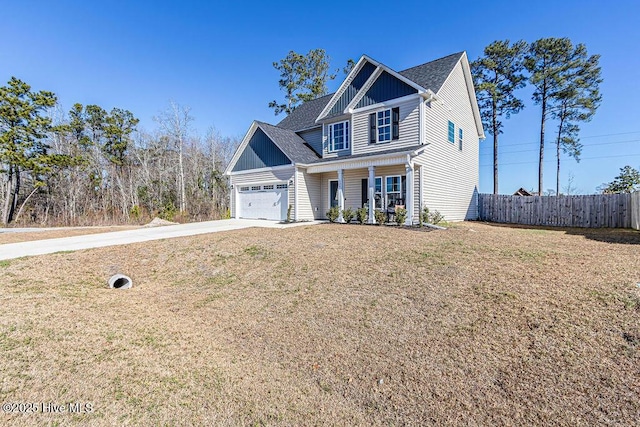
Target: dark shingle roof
<point>305,115</point>
<point>432,75</point>
<point>290,143</point>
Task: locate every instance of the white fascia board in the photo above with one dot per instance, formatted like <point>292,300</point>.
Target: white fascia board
<point>241,148</point>
<point>402,78</point>
<point>381,67</point>
<point>466,68</point>
<point>343,86</point>
<point>386,104</point>
<point>272,168</point>
<point>367,85</point>
<point>245,141</point>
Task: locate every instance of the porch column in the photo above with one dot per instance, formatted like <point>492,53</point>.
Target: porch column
<point>372,195</point>
<point>340,195</point>
<point>409,201</point>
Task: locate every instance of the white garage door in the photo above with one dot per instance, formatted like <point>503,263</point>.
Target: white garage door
<point>264,201</point>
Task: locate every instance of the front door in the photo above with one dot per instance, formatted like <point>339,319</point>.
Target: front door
<point>333,193</point>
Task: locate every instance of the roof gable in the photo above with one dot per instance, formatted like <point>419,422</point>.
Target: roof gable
<point>385,87</point>
<point>352,89</point>
<point>260,152</point>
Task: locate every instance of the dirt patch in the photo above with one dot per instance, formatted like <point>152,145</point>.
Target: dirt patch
<point>337,325</point>
<point>159,222</point>
<point>17,237</point>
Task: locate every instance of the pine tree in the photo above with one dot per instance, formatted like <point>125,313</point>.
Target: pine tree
<point>498,74</point>
<point>576,101</point>
<point>23,131</point>
<point>547,62</point>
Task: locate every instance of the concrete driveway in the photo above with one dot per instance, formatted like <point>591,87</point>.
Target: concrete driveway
<point>40,247</point>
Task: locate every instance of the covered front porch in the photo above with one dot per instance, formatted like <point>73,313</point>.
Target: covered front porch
<point>378,184</point>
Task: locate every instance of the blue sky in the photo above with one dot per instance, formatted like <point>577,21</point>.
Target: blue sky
<point>216,58</point>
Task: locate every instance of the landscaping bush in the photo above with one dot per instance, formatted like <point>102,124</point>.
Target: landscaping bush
<point>380,216</point>
<point>424,215</point>
<point>333,213</point>
<point>289,213</point>
<point>401,216</point>
<point>348,215</point>
<point>434,217</point>
<point>362,214</point>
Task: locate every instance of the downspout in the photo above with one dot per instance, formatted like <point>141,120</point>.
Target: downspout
<point>295,194</point>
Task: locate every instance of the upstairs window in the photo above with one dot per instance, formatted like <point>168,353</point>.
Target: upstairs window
<point>460,139</point>
<point>339,136</point>
<point>452,133</point>
<point>384,125</point>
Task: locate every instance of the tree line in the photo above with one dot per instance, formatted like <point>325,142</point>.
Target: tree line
<point>93,166</point>
<point>566,86</point>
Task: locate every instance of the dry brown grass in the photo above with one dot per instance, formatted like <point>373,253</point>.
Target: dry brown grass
<point>329,324</point>
<point>11,237</point>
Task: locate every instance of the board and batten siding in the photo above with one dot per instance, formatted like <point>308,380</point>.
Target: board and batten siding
<point>451,175</point>
<point>352,88</point>
<point>309,202</point>
<point>409,128</point>
<point>260,177</point>
<point>313,137</point>
<point>260,152</point>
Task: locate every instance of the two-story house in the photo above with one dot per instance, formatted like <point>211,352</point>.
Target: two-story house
<point>384,138</point>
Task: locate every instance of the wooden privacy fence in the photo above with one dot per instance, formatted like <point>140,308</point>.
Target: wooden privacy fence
<point>600,210</point>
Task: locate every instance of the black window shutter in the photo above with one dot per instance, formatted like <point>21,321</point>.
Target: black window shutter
<point>395,116</point>
<point>365,192</point>
<point>372,128</point>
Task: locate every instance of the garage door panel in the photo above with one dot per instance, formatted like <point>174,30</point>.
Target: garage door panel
<point>266,204</point>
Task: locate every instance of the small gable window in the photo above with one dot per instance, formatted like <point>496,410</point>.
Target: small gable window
<point>384,125</point>
<point>452,133</point>
<point>339,136</point>
<point>460,139</point>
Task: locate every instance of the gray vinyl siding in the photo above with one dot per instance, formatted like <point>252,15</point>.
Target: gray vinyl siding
<point>309,203</point>
<point>353,88</point>
<point>353,185</point>
<point>325,141</point>
<point>409,128</point>
<point>277,176</point>
<point>324,192</point>
<point>260,152</point>
<point>451,175</point>
<point>385,88</point>
<point>313,137</point>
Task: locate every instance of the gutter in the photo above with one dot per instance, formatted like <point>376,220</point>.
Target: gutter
<point>413,153</point>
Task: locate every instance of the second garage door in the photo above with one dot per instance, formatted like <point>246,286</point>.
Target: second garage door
<point>268,201</point>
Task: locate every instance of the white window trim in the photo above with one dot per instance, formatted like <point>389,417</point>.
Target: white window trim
<point>454,132</point>
<point>386,193</point>
<point>390,126</point>
<point>346,135</point>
